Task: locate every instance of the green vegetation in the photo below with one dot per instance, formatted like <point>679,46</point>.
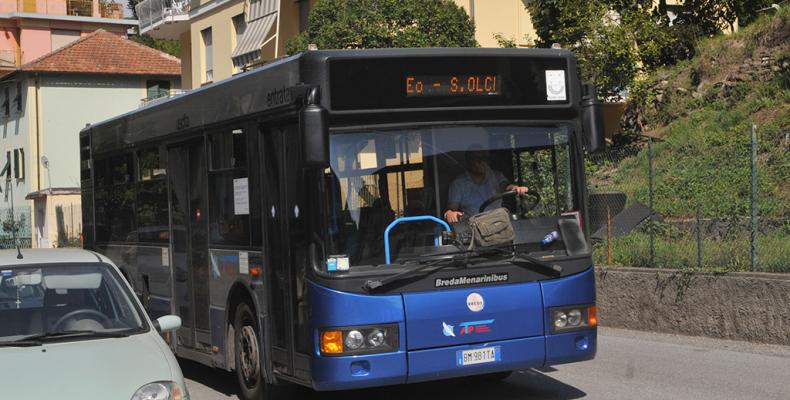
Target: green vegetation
<point>367,24</point>
<point>617,40</point>
<point>172,47</point>
<point>700,111</point>
<point>678,249</point>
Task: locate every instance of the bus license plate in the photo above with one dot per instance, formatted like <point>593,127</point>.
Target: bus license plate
<point>478,356</point>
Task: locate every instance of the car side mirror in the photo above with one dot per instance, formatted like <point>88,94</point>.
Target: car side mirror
<point>167,323</point>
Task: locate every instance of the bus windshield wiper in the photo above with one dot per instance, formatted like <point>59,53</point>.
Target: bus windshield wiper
<point>527,261</point>
<point>373,285</point>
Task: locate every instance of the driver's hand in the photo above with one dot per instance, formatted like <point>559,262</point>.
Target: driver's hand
<point>453,216</point>
<point>521,190</point>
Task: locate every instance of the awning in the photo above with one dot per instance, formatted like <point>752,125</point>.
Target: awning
<point>261,16</point>
<point>58,191</point>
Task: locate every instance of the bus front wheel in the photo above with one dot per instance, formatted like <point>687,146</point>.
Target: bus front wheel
<point>248,355</point>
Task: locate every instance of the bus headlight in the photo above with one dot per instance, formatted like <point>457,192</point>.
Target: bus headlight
<point>570,318</point>
<point>560,320</point>
<point>353,340</point>
<point>574,317</point>
<point>376,338</point>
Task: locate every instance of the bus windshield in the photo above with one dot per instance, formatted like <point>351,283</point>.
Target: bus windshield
<point>379,176</point>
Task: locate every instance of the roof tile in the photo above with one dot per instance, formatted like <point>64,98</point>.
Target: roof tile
<point>102,52</point>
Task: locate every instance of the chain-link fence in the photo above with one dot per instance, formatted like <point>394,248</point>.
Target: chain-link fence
<point>677,205</point>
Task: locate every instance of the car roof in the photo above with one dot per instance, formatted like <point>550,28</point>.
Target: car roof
<point>49,256</point>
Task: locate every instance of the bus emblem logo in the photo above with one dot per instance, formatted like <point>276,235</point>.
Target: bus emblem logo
<point>475,302</point>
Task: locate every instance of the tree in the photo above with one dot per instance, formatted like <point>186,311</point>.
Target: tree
<point>614,40</point>
<point>358,24</point>
<point>172,47</point>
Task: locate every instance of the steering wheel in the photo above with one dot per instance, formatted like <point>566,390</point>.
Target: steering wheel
<point>527,205</point>
<point>87,311</point>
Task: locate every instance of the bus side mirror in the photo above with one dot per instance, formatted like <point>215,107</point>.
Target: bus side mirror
<point>592,120</point>
<point>315,133</point>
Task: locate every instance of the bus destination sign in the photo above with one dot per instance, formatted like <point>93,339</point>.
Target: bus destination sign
<point>412,83</point>
<point>452,85</point>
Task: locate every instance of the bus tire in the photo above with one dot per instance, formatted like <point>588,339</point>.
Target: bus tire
<point>248,354</point>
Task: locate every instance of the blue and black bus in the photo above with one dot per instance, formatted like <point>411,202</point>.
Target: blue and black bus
<point>296,216</point>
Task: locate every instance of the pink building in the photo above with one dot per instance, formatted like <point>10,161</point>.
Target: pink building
<point>30,29</point>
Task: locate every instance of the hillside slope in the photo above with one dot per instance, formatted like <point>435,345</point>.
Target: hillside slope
<point>700,113</point>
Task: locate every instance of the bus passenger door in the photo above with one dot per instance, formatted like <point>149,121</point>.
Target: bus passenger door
<point>279,279</point>
<point>189,242</point>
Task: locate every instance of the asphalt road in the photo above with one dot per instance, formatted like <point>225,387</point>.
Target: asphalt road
<point>629,365</point>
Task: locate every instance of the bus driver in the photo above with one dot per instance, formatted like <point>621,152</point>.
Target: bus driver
<point>479,183</point>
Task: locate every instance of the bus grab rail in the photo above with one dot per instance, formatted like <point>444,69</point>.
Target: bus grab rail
<point>410,219</point>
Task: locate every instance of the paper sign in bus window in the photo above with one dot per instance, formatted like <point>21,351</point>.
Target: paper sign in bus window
<point>241,197</point>
<point>244,262</point>
<point>555,85</point>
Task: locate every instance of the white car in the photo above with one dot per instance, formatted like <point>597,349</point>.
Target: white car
<point>71,328</point>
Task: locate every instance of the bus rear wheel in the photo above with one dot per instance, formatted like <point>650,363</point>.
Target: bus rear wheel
<point>248,355</point>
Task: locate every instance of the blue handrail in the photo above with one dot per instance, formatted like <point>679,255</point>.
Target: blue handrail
<point>410,219</point>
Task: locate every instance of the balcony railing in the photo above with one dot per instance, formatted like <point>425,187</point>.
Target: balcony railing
<point>82,8</point>
<point>160,95</point>
<point>111,10</point>
<point>8,59</point>
<point>151,13</point>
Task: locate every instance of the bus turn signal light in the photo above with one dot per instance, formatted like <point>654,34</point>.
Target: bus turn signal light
<point>592,316</point>
<point>332,342</point>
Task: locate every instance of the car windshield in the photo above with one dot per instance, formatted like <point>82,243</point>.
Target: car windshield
<point>40,300</point>
<point>377,177</point>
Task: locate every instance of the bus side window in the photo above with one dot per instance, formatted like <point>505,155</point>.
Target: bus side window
<point>152,210</point>
<point>115,191</point>
<point>229,197</point>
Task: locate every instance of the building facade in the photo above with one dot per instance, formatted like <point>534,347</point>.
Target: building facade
<point>45,104</point>
<point>508,19</point>
<point>30,29</point>
<point>220,38</point>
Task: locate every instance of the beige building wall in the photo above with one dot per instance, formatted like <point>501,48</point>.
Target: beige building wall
<point>186,60</point>
<point>220,20</point>
<point>222,35</point>
<point>506,17</point>
<point>46,210</point>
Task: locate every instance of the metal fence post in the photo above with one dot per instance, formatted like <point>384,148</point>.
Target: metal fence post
<point>650,199</point>
<point>699,239</point>
<point>753,197</point>
<point>608,235</point>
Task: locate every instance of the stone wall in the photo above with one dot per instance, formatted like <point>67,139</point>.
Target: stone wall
<point>738,306</point>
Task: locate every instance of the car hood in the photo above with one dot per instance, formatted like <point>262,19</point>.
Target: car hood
<point>112,368</point>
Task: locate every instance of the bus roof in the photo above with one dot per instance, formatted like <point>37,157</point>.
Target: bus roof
<point>273,87</point>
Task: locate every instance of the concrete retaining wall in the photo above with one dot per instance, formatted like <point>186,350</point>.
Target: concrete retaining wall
<point>739,306</point>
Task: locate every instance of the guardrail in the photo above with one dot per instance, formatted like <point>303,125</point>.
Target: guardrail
<point>154,12</point>
<point>161,95</point>
<point>8,59</point>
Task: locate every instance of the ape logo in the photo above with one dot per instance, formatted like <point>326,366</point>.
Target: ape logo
<point>467,328</point>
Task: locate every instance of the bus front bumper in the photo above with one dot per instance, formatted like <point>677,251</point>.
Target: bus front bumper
<point>353,372</point>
